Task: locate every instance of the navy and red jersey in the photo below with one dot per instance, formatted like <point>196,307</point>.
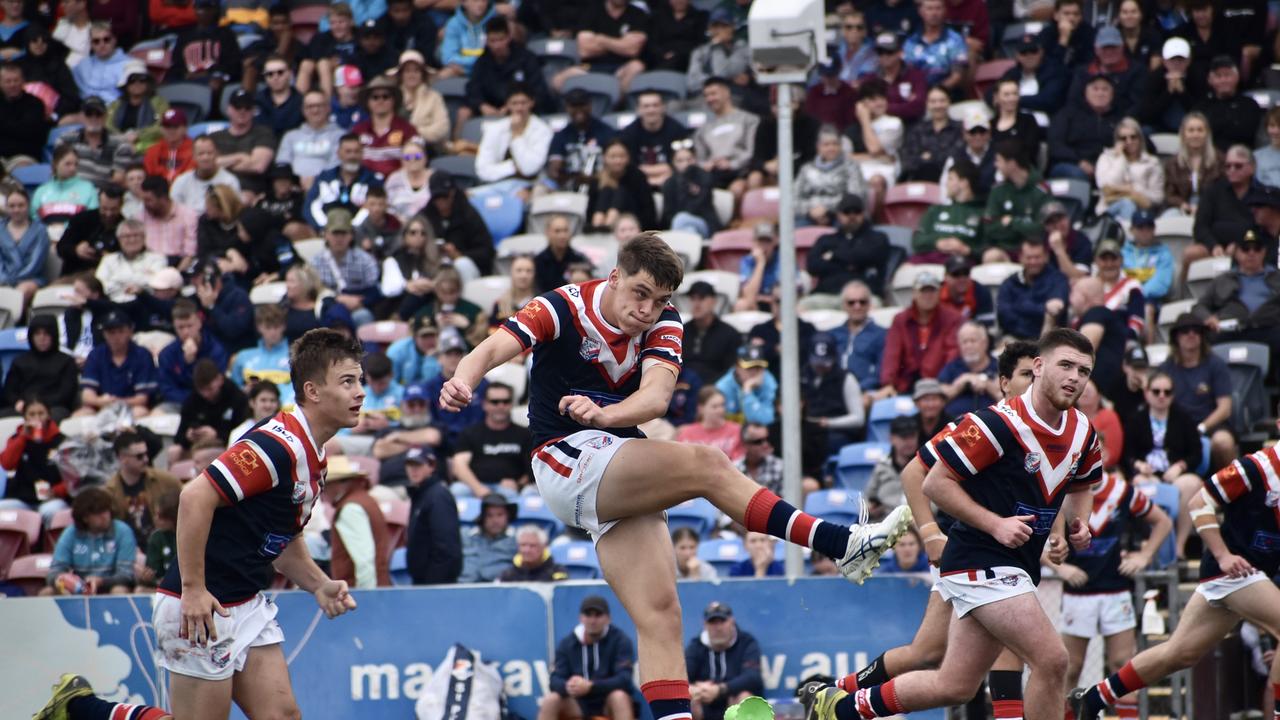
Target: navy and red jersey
<point>1116,504</point>
<point>1012,463</point>
<point>577,352</point>
<point>928,454</point>
<point>269,480</point>
<point>1248,491</point>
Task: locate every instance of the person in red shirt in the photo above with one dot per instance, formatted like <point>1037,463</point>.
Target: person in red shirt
<point>831,100</point>
<point>921,340</point>
<point>172,155</point>
<point>384,131</point>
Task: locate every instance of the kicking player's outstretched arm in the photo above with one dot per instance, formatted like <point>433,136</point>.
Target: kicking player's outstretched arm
<point>651,400</point>
<point>195,514</point>
<point>942,486</point>
<point>931,535</point>
<point>296,564</point>
<point>496,349</point>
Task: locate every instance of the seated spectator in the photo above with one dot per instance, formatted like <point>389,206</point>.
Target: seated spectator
<point>575,149</point>
<point>928,143</point>
<point>1267,158</point>
<point>177,361</point>
<point>758,271</point>
<point>1169,91</point>
<point>937,50</point>
<point>823,182</point>
<point>978,151</point>
<point>1243,304</point>
<point>860,341</point>
<point>488,547</point>
<point>855,251</point>
<point>152,308</point>
<point>969,299</point>
<point>514,147</point>
<point>955,230</point>
<point>349,271</point>
<point>876,136</point>
<point>409,270</point>
<point>101,154</point>
<point>415,430</point>
<point>831,100</point>
<point>1142,42</point>
<point>382,132</point>
<point>137,111</point>
<point>1106,328</point>
<point>214,55</point>
<point>493,455</point>
<point>279,103</point>
<point>710,344</point>
<point>264,402</point>
<point>591,676</point>
<point>96,554</point>
<point>311,147</point>
<point>921,340</point>
<point>73,30</point>
<point>724,144</point>
<point>1128,177</point>
<point>759,461</point>
<point>1079,132</point>
<point>764,150</point>
<point>768,334</point>
<point>1070,251</point>
<point>1011,122</point>
<point>930,399</point>
<point>724,55</point>
<point>892,16</point>
<point>450,353</point>
<point>618,187</point>
<point>174,153</point>
<point>904,86</point>
<point>1234,117</point>
<point>211,412</point>
<point>136,488</point>
<point>344,186</point>
<point>503,64</point>
<point>1013,207</point>
<point>970,382</point>
<point>1109,61</point>
<point>170,228</point>
<point>687,197</point>
<point>1148,262</point>
<point>1161,445</point>
<point>688,565</point>
<point>376,230</point>
<point>551,265</point>
<point>463,37</point>
<point>830,396</point>
<point>218,231</point>
<point>652,136</point>
<point>1223,216</point>
<point>857,56</point>
<point>723,661</point>
<point>162,544</point>
<point>279,39</point>
<point>434,553</point>
<point>92,233</point>
<point>1068,39</point>
<point>1264,203</point>
<point>1035,294</point>
<point>466,240</point>
<point>533,562</point>
<point>372,54</point>
<point>748,389</point>
<point>908,555</point>
<point>228,306</point>
<point>518,294</point>
<point>1201,386</point>
<point>759,563</point>
<point>711,428</point>
<point>33,480</point>
<point>611,39</point>
<point>24,246</point>
<point>361,540</point>
<point>44,373</point>
<point>245,147</point>
<point>675,31</point>
<point>191,187</point>
<point>1041,80</point>
<point>345,108</point>
<point>98,74</point>
<point>1129,399</point>
<point>413,358</point>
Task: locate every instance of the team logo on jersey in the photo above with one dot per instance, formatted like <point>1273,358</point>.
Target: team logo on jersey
<point>220,655</point>
<point>1009,580</point>
<point>599,443</point>
<point>1032,463</point>
<point>246,460</point>
<point>299,492</point>
<point>462,669</point>
<point>590,349</point>
<point>273,544</point>
<point>1075,463</point>
<point>971,435</point>
<point>572,290</point>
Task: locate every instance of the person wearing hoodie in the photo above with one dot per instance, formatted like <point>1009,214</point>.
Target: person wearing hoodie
<point>178,359</point>
<point>45,372</point>
<point>723,664</point>
<point>592,672</point>
<point>1078,133</point>
<point>34,480</point>
<point>464,38</point>
<point>488,547</point>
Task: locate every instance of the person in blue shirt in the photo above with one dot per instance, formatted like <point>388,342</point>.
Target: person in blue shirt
<point>1147,261</point>
<point>860,341</point>
<point>749,390</point>
<point>227,305</point>
<point>413,359</point>
<point>970,381</point>
<point>96,554</point>
<point>761,560</point>
<point>178,358</point>
<point>937,50</point>
<point>1027,296</point>
<point>382,397</point>
<point>906,556</point>
<point>118,370</point>
<point>269,359</point>
<point>452,348</point>
<point>464,37</point>
<point>758,271</point>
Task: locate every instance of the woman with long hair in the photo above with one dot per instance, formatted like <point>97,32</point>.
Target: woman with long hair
<point>66,193</point>
<point>219,227</point>
<point>1011,121</point>
<point>1142,42</point>
<point>929,142</point>
<point>1129,178</point>
<point>688,566</point>
<point>409,271</point>
<point>1196,165</point>
<point>421,105</point>
<point>619,187</point>
<point>408,190</point>
<point>24,246</point>
<point>304,306</point>
<point>711,427</point>
<point>516,296</point>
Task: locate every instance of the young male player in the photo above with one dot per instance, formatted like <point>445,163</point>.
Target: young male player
<point>216,632</point>
<point>1242,553</point>
<point>1004,474</point>
<point>606,357</point>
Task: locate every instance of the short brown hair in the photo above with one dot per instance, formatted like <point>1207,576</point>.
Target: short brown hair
<point>1065,337</point>
<point>341,8</point>
<point>90,501</point>
<point>315,352</point>
<point>204,373</point>
<point>647,252</point>
<point>167,505</point>
<point>269,315</point>
<point>183,309</point>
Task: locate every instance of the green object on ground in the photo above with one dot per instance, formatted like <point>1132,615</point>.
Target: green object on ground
<point>753,708</point>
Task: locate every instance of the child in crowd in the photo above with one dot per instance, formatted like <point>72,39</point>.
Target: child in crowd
<point>96,554</point>
<point>162,546</point>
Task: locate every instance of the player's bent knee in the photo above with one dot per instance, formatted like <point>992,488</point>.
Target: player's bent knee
<point>958,691</point>
<point>290,712</point>
<point>1052,659</point>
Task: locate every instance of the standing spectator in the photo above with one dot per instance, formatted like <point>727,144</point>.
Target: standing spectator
<point>1079,132</point>
<point>1110,62</point>
<point>1201,386</point>
<point>1128,177</point>
<point>857,57</point>
<point>928,142</point>
<point>652,136</point>
<point>383,131</point>
<point>723,661</point>
<point>346,185</point>
<point>136,488</point>
<point>207,53</point>
<point>760,562</point>
<point>724,55</point>
<point>361,540</point>
<point>1041,80</point>
<point>192,187</point>
<point>533,562</point>
<point>349,271</point>
<point>24,246</point>
<point>488,547</point>
<point>955,230</point>
<point>504,63</point>
<point>1107,329</point>
<point>1034,292</point>
<point>211,412</point>
<point>1243,304</point>
<point>102,155</point>
<point>174,153</point>
<point>1013,207</point>
<point>170,228</point>
<point>177,361</point>
<point>591,676</point>
<point>312,147</point>
<point>688,565</point>
<point>514,147</point>
<point>822,183</point>
<point>33,480</point>
<point>921,340</point>
<point>493,455</point>
<point>1148,262</point>
<point>463,39</point>
<point>1235,118</point>
<point>759,461</point>
<point>244,147</point>
<point>748,389</point>
<point>860,341</point>
<point>884,487</point>
<point>711,428</point>
<point>1012,122</point>
<point>434,548</point>
<point>611,40</point>
<point>725,143</point>
<point>687,196</point>
<point>96,554</point>
<point>937,50</point>
<point>905,85</point>
<point>575,148</point>
<point>279,103</point>
<point>855,251</point>
<point>1222,216</point>
<point>45,373</point>
<point>618,188</point>
<point>466,239</point>
<point>551,265</point>
<point>126,272</point>
<point>118,370</point>
<point>676,29</point>
<point>1194,168</point>
<point>99,74</point>
<point>1169,92</point>
<point>92,233</point>
<point>970,381</point>
<point>710,344</point>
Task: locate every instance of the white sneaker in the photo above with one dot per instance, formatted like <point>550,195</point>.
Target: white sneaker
<point>868,543</point>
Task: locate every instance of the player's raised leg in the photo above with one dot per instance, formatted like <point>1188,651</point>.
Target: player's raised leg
<point>73,699</point>
<point>262,689</point>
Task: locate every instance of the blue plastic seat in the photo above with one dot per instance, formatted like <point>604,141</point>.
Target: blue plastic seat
<point>722,554</point>
<point>579,558</point>
<point>533,511</point>
<point>883,412</point>
<point>468,511</point>
<point>698,514</point>
<point>500,208</point>
<point>837,506</point>
<point>33,176</point>
<point>400,567</point>
<point>1166,497</point>
<point>855,461</point>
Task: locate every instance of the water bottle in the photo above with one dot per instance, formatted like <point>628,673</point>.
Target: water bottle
<point>1152,620</point>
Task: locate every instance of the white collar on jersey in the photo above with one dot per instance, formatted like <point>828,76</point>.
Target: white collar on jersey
<point>1031,411</point>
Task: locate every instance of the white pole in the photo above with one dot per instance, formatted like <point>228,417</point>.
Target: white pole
<point>790,343</point>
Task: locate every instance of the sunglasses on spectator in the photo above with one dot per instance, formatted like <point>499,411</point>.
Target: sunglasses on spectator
<point>275,72</point>
<point>138,455</point>
<point>414,156</point>
<point>857,301</point>
<point>756,441</point>
<point>1252,247</point>
<point>1235,165</point>
<point>380,96</point>
<point>854,26</point>
<point>102,40</point>
<point>1160,392</point>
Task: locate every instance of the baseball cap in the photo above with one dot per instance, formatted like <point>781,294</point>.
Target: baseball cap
<point>957,265</point>
<point>851,204</point>
<point>173,117</point>
<point>409,56</point>
<point>764,230</point>
<point>370,27</point>
<point>441,183</point>
<point>888,42</point>
<point>904,425</point>
<point>1136,357</point>
<point>1108,36</point>
<point>1143,218</point>
<point>451,343</point>
<point>1051,211</point>
<point>751,356</point>
<point>717,611</point>
<point>576,97</point>
<point>701,288</point>
<point>416,392</point>
<point>1221,61</point>
<point>115,319</point>
<point>926,387</point>
<point>420,454</point>
<point>1107,246</point>
<point>594,603</point>
<point>721,16</point>
<point>927,279</point>
<point>166,279</point>
<point>241,98</point>
<point>425,324</point>
<point>94,103</point>
<point>1263,196</point>
<point>1176,47</point>
<point>347,76</point>
<point>280,171</point>
<point>976,119</point>
<point>1250,239</point>
<point>831,67</point>
<point>822,348</point>
<point>338,220</point>
<point>1028,43</point>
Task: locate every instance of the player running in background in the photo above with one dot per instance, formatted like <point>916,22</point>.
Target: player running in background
<point>606,355</point>
<point>1242,553</point>
<point>1004,474</point>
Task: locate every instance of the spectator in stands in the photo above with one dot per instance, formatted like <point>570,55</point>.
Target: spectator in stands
<point>376,232</point>
<point>1194,168</point>
<point>930,399</point>
<point>955,230</point>
<point>449,353</point>
<point>1070,251</point>
<point>688,565</point>
<point>463,38</point>
<point>466,239</point>
<point>1142,41</point>
<point>124,273</point>
<point>676,29</point>
<point>101,154</point>
<point>1264,202</point>
<point>928,142</point>
<point>710,344</point>
<point>415,430</point>
<point>279,39</point>
<point>575,148</point>
<point>65,194</point>
<point>492,455</point>
<point>1106,328</point>
<point>1013,207</point>
<point>758,270</point>
<point>227,305</point>
<point>408,272</point>
<point>488,547</point>
<point>1105,421</point>
<point>962,294</point>
<point>1068,40</point>
<point>1234,117</point>
<point>855,251</point>
<point>23,125</point>
<point>268,360</point>
<point>551,265</point>
<point>433,545</point>
<point>178,359</point>
<point>711,428</point>
<point>758,461</point>
<point>1121,292</point>
<point>768,334</point>
<point>1012,122</point>
<point>1029,297</point>
<point>907,555</point>
<point>1169,92</point>
<point>904,85</point>
<point>591,676</point>
<point>764,151</point>
<point>1201,386</point>
<point>970,382</point>
<point>192,186</point>
<point>92,233</point>
<point>73,30</point>
<point>311,148</point>
<point>1222,216</point>
<point>831,397</point>
<point>518,294</point>
<point>831,100</point>
<point>245,147</point>
<point>33,480</point>
<point>413,358</point>
<point>1041,80</point>
<point>1109,61</point>
<point>96,554</point>
<point>611,39</point>
<point>345,185</point>
<point>876,136</point>
<point>724,55</point>
<point>533,562</point>
<point>687,196</point>
<point>382,132</point>
<point>207,53</point>
<point>137,111</point>
<point>279,103</point>
<point>1161,445</point>
<point>24,246</point>
<point>1128,177</point>
<point>1129,398</point>
<point>170,228</point>
<point>349,271</point>
<point>651,137</point>
<point>219,227</point>
<point>514,147</point>
<point>345,108</point>
<point>1148,262</point>
<point>1079,132</point>
<point>503,64</point>
<point>895,16</point>
<point>760,562</point>
<point>329,51</point>
<point>937,50</point>
<point>1268,156</point>
<point>723,661</point>
<point>724,144</point>
<point>361,540</point>
<point>618,187</point>
<point>857,57</point>
<point>162,545</point>
<point>373,56</point>
<point>174,153</point>
<point>748,389</point>
<point>1243,304</point>
<point>860,341</point>
<point>822,183</point>
<point>136,487</point>
<point>921,340</point>
<point>44,373</point>
<point>978,151</point>
<point>98,74</point>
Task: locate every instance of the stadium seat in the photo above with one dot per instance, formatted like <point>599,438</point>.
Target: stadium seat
<point>761,204</point>
<point>686,244</point>
<point>10,306</point>
<point>534,511</point>
<point>30,572</point>
<point>728,247</point>
<point>473,129</point>
<point>1157,353</point>
<point>556,54</point>
<point>271,293</point>
<point>744,320</point>
<point>500,207</point>
<point>1175,232</point>
<point>1169,313</point>
<point>883,316</point>
<point>9,426</point>
<point>905,277</point>
<point>184,470</point>
<point>1248,363</point>
<point>558,203</point>
<point>698,515</point>
<point>53,298</point>
<point>13,342</point>
<point>520,415</point>
<point>855,461</point>
<point>396,513</point>
<point>55,136</point>
<point>806,238</point>
<point>368,465</point>
<point>722,554</point>
<point>468,511</point>
<point>154,341</point>
<point>603,89</point>
<point>399,568</point>
<point>513,374</point>
<point>85,426</point>
<point>60,521</point>
<point>522,244</point>
<point>1077,195</point>
<point>993,274</point>
<point>461,167</point>
<point>673,86</point>
<point>722,201</point>
<point>485,291</point>
<point>32,176</point>
<point>306,21</point>
<point>162,424</point>
<point>726,284</point>
<point>192,97</point>
<point>1165,496</point>
<point>579,558</point>
<point>1166,144</point>
<point>961,110</point>
<point>899,236</point>
<point>155,55</point>
<point>1200,274</point>
<point>883,412</point>
<point>308,249</point>
<point>988,73</point>
<point>619,120</point>
<point>837,506</point>
<point>905,203</point>
<point>454,92</point>
<point>825,320</point>
<point>207,127</point>
<point>19,533</point>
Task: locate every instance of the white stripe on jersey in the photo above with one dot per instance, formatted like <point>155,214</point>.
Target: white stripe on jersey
<point>271,468</point>
<point>951,441</point>
<point>231,479</point>
<point>1222,491</point>
<point>1053,476</point>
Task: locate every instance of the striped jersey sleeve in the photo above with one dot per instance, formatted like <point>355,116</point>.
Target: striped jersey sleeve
<point>1139,504</point>
<point>1090,468</point>
<point>928,453</point>
<point>665,340</point>
<point>972,447</point>
<point>254,465</point>
<point>538,321</point>
<point>1234,481</point>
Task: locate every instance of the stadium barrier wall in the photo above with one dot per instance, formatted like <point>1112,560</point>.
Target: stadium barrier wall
<point>374,662</point>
